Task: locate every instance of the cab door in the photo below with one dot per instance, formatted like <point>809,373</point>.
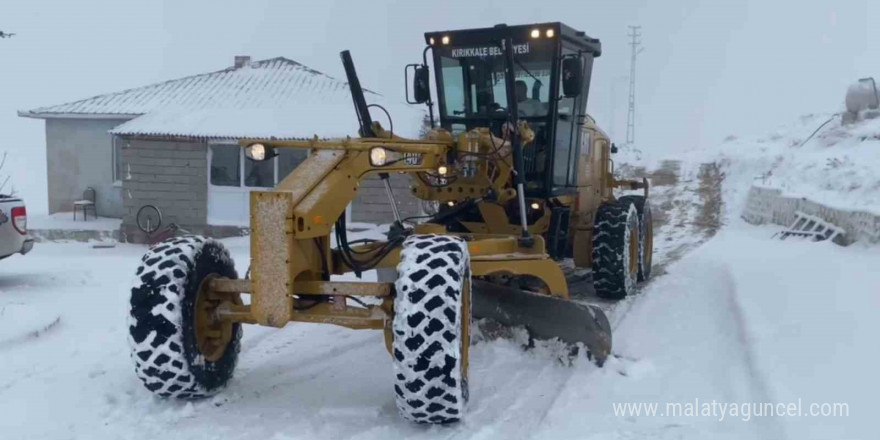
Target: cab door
<point>570,118</point>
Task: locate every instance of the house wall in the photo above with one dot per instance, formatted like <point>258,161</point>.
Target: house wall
<point>168,174</point>
<point>172,175</point>
<point>372,204</point>
<point>79,154</point>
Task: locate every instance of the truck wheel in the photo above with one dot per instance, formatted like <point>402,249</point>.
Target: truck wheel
<point>646,234</point>
<point>431,328</point>
<point>177,347</point>
<point>615,250</point>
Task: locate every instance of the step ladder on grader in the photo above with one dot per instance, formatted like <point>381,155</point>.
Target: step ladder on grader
<point>524,179</point>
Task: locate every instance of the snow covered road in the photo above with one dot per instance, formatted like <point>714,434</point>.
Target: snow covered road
<point>741,319</point>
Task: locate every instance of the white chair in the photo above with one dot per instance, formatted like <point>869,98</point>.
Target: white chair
<point>87,203</point>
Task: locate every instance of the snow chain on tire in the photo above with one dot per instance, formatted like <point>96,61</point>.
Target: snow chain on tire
<point>161,318</point>
<point>433,275</point>
<point>643,208</point>
<point>612,277</point>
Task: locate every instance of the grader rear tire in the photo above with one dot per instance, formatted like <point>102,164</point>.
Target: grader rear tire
<point>172,355</point>
<point>646,234</point>
<point>615,250</point>
<point>431,329</point>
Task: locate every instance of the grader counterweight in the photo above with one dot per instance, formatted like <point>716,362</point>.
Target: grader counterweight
<point>523,177</point>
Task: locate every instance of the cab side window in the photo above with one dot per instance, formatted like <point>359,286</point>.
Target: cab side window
<point>564,162</point>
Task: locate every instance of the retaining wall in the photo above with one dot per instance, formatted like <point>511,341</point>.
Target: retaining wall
<point>768,205</point>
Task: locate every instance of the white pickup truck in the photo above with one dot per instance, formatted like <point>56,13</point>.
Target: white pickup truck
<point>13,227</point>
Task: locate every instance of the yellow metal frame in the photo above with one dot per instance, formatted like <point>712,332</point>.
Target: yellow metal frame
<point>291,225</point>
<point>490,255</point>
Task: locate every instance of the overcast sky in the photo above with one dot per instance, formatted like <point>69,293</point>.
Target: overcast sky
<point>710,68</point>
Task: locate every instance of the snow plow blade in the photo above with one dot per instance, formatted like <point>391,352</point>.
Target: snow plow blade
<point>545,317</point>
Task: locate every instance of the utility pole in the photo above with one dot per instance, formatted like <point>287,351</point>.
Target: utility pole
<point>636,43</point>
<point>612,105</point>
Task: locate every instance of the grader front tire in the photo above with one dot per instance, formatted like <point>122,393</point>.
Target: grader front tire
<point>615,250</point>
<point>646,234</point>
<point>431,329</point>
<point>172,356</point>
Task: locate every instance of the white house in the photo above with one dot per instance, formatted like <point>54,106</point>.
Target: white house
<point>174,144</point>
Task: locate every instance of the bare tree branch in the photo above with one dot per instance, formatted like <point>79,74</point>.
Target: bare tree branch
<point>4,183</point>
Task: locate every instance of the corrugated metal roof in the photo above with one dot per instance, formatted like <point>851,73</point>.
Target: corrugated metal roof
<point>277,97</point>
<point>260,84</point>
<point>324,119</point>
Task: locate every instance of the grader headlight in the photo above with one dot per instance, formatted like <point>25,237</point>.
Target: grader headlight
<point>378,157</point>
<point>381,157</point>
<point>256,152</point>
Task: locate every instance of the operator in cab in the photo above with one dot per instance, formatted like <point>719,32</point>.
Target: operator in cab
<point>527,106</point>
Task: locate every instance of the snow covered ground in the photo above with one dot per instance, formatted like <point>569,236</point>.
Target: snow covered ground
<point>737,320</point>
<point>64,220</point>
<point>742,319</point>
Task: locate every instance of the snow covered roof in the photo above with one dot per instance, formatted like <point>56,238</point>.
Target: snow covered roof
<point>325,119</point>
<point>276,98</point>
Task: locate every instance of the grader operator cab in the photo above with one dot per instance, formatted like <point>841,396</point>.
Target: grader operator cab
<point>523,177</point>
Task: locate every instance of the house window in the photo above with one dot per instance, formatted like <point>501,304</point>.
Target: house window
<point>225,165</point>
<point>118,170</point>
<point>232,177</point>
<point>259,174</point>
<point>229,167</point>
<point>288,159</point>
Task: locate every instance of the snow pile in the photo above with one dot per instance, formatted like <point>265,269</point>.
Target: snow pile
<point>21,321</point>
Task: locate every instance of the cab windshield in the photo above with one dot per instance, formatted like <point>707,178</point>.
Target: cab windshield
<point>473,83</point>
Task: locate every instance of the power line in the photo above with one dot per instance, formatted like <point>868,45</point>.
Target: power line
<point>636,43</point>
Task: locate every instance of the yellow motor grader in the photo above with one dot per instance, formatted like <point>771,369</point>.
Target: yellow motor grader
<point>524,179</point>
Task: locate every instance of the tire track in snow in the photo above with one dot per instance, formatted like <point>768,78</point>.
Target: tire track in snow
<point>514,404</point>
<point>773,428</point>
<point>689,235</point>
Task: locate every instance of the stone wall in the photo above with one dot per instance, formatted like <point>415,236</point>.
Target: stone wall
<point>169,174</point>
<point>767,205</point>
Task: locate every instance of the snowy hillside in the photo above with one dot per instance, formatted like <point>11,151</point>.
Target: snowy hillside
<point>838,167</point>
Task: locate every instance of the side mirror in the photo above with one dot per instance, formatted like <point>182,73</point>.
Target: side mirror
<point>420,84</point>
<point>613,148</point>
<point>572,76</point>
